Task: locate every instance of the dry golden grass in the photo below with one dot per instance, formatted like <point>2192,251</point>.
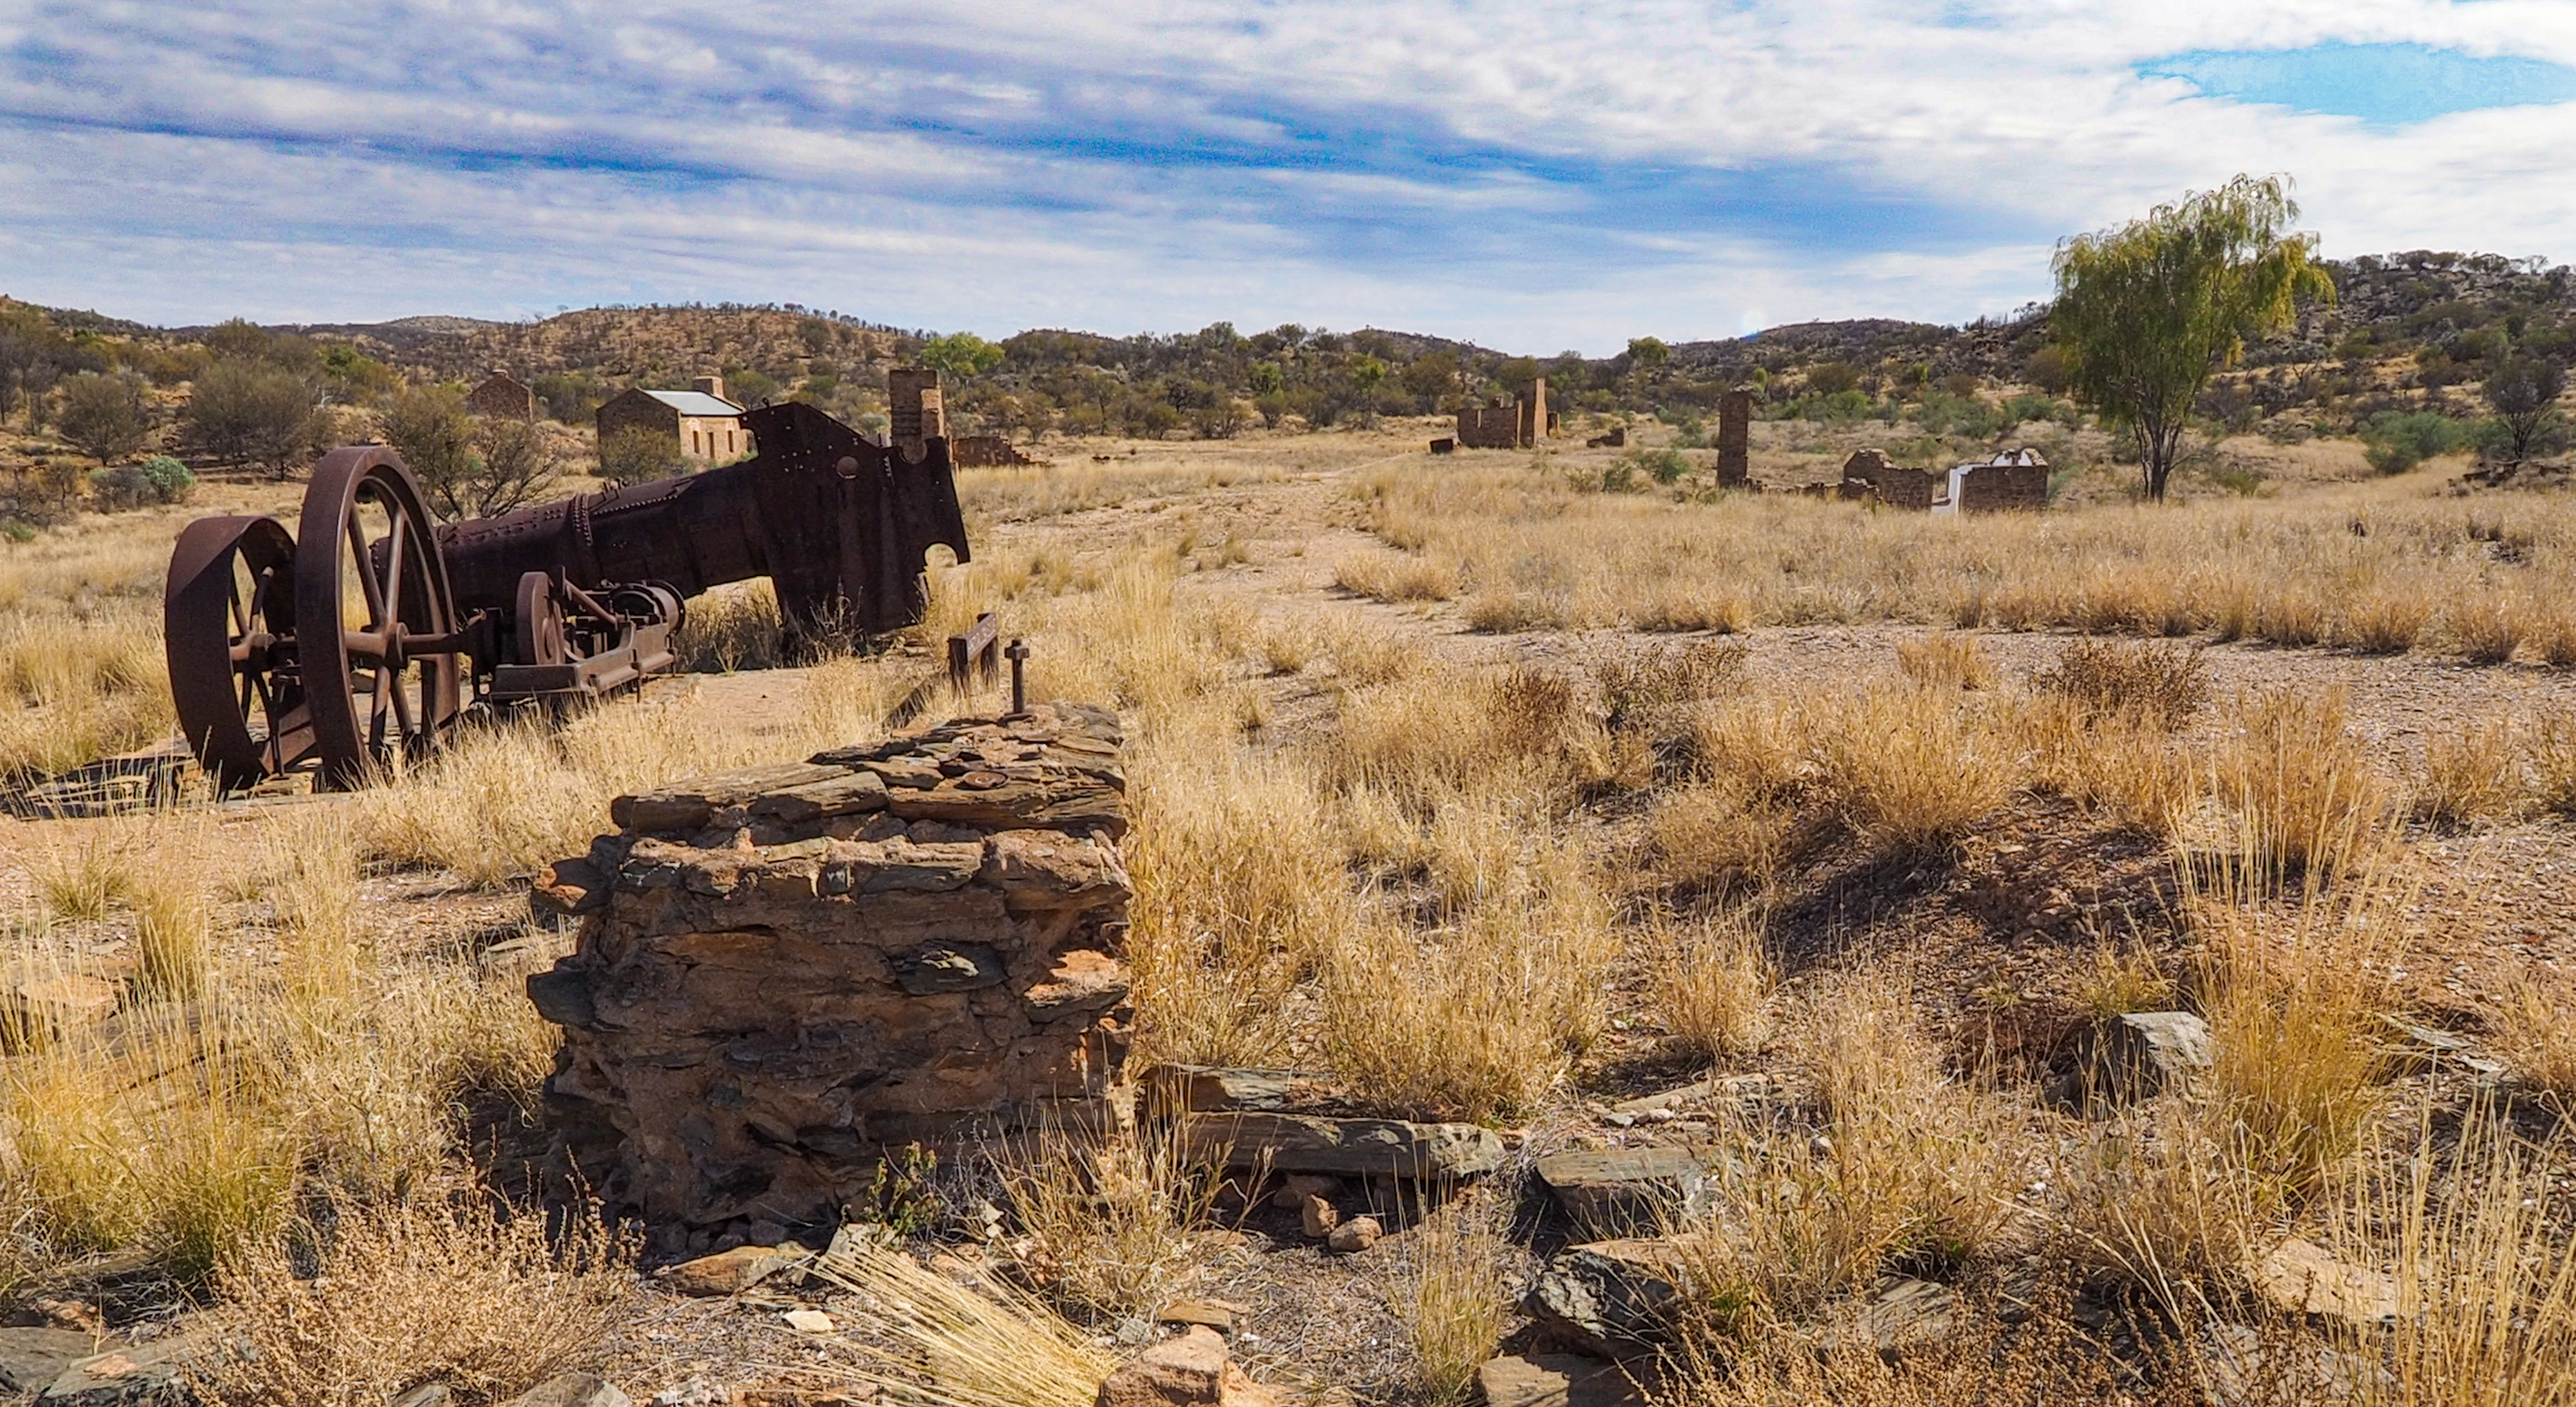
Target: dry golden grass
<point>436,1288</point>
<point>1396,577</point>
<point>1914,770</point>
<point>1117,1218</point>
<point>2124,765</point>
<point>2535,1031</point>
<point>2469,777</point>
<point>1946,660</point>
<point>2302,796</point>
<point>959,1347</point>
<point>1709,982</point>
<point>2163,685</point>
<point>1453,1295</point>
<point>1712,834</point>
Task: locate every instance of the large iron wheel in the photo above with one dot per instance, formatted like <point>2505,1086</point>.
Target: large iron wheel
<point>228,632</point>
<point>383,684</point>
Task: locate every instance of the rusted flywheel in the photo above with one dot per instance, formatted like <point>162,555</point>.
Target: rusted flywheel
<point>228,630</point>
<point>393,674</point>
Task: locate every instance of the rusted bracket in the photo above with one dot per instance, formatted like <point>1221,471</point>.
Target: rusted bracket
<point>976,656</point>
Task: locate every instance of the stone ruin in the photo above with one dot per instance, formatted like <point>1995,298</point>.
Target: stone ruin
<point>1520,425</point>
<point>782,974</point>
<point>1735,438</point>
<point>987,452</point>
<point>916,409</point>
<point>2013,478</point>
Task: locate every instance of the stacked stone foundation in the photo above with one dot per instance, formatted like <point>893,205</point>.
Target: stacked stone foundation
<point>784,976</point>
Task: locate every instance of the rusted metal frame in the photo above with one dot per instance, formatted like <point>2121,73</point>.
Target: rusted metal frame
<point>976,656</point>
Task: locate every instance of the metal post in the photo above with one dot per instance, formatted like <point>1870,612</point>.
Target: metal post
<point>1018,655</point>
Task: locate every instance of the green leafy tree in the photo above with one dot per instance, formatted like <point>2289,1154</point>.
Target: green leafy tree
<point>638,455</point>
<point>242,412</point>
<point>428,427</point>
<point>1647,354</point>
<point>103,415</point>
<point>2145,312</point>
<point>960,355</point>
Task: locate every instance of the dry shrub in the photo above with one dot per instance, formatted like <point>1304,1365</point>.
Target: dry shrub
<point>1710,834</point>
<point>731,628</point>
<point>2299,788</point>
<point>2486,628</point>
<point>2126,765</point>
<point>1505,611</point>
<point>174,950</point>
<point>2474,1236</point>
<point>2550,627</point>
<point>2535,1030</point>
<point>2034,1361</point>
<point>1648,686</point>
<point>1756,748</point>
<point>1117,1218</point>
<point>454,1290</point>
<point>2123,978</point>
<point>2163,684</point>
<point>2385,621</point>
<point>1478,1021</point>
<point>1397,577</point>
<point>1239,885</point>
<point>2167,1198</point>
<point>2291,614</point>
<point>2472,776</point>
<point>1913,771</point>
<point>1453,1295</point>
<point>1708,982</point>
<point>955,1346</point>
<point>87,884</point>
<point>1424,739</point>
<point>1946,661</point>
<point>1687,609</point>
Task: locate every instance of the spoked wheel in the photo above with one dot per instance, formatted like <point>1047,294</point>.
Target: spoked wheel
<point>542,638</point>
<point>393,675</point>
<point>228,630</point>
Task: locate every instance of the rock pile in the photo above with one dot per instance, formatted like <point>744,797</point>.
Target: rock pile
<point>783,973</point>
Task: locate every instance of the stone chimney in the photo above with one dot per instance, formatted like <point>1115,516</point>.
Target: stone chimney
<point>709,385</point>
<point>914,407</point>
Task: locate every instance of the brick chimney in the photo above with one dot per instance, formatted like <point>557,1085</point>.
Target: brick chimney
<point>710,385</point>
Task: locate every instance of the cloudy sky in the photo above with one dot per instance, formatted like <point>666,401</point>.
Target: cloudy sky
<point>1532,176</point>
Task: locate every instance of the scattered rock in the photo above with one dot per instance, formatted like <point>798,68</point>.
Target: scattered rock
<point>2139,1055</point>
<point>1611,1298</point>
<point>1555,1380</point>
<point>434,1393</point>
<point>1391,1148</point>
<point>568,888</point>
<point>38,999</point>
<point>1623,1191</point>
<point>1191,1370</point>
<point>1907,1313</point>
<point>1320,1216</point>
<point>2243,1373</point>
<point>146,1373</point>
<point>731,1272</point>
<point>1220,1315</point>
<point>30,1359</point>
<point>1355,1235</point>
<point>573,1390</point>
<point>1743,1091</point>
<point>2417,1049</point>
<point>1297,1187</point>
<point>2301,1277</point>
<point>695,1391</point>
<point>1207,1089</point>
<point>808,1321</point>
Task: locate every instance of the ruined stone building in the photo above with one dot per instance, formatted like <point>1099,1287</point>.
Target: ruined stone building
<point>916,409</point>
<point>701,421</point>
<point>501,397</point>
<point>2013,478</point>
<point>1895,485</point>
<point>1735,438</point>
<point>1520,425</point>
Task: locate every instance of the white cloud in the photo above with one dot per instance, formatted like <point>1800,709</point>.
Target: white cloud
<point>1531,175</point>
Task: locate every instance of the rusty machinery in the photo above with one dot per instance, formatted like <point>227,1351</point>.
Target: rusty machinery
<point>558,602</point>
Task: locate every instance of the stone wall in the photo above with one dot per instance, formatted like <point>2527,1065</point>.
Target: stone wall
<point>1896,486</point>
<point>783,974</point>
<point>2015,479</point>
<point>1735,438</point>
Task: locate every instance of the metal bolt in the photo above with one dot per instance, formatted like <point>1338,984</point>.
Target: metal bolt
<point>1018,655</point>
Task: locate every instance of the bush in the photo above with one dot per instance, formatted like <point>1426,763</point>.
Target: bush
<point>639,456</point>
<point>104,415</point>
<point>1664,466</point>
<point>170,479</point>
<point>244,412</point>
<point>120,488</point>
<point>2396,441</point>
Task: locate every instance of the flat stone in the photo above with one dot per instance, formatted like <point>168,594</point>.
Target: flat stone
<point>1083,980</point>
<point>1191,1369</point>
<point>31,1359</point>
<point>1624,1191</point>
<point>1355,1235</point>
<point>1744,1091</point>
<point>1069,802</point>
<point>1049,869</point>
<point>1210,1089</point>
<point>849,794</point>
<point>153,1373</point>
<point>2139,1055</point>
<point>1301,1143</point>
<point>2301,1277</point>
<point>1220,1315</point>
<point>1611,1298</point>
<point>949,967</point>
<point>39,998</point>
<point>1554,1380</point>
<point>730,1272</point>
<point>569,887</point>
<point>808,1321</point>
<point>1907,1314</point>
<point>573,1390</point>
<point>434,1393</point>
<point>686,806</point>
<point>2417,1049</point>
<point>2241,1372</point>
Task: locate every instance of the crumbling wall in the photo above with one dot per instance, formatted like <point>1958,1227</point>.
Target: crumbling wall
<point>987,452</point>
<point>1994,488</point>
<point>1895,485</point>
<point>784,973</point>
<point>916,409</point>
<point>1735,438</point>
<point>1490,427</point>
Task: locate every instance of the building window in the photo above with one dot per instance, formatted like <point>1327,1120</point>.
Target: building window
<point>693,443</point>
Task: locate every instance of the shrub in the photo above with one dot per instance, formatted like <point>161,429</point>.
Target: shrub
<point>246,412</point>
<point>2164,684</point>
<point>104,415</point>
<point>2396,441</point>
<point>120,488</point>
<point>637,456</point>
<point>171,482</point>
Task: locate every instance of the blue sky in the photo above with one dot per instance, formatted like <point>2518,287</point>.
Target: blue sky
<point>1531,176</point>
